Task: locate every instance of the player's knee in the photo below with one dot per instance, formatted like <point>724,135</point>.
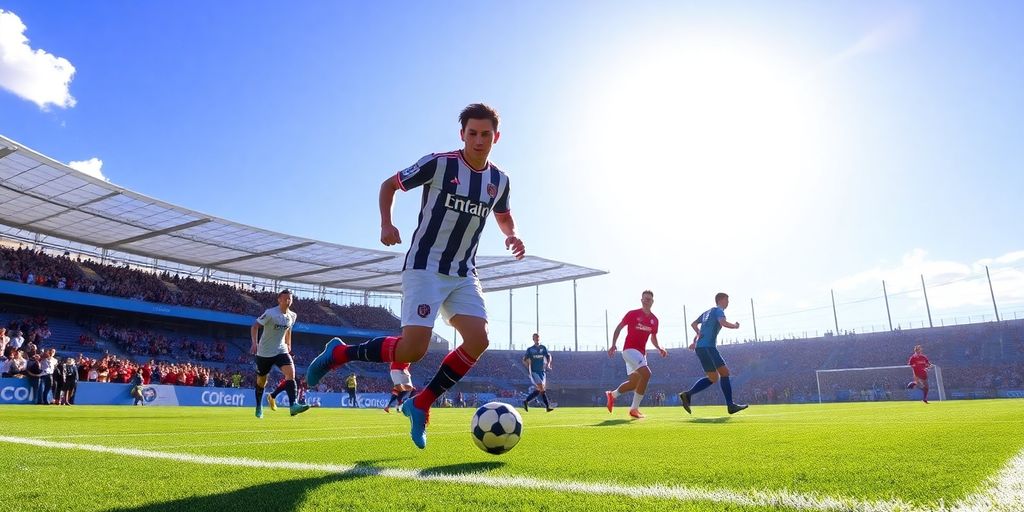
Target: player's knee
<point>713,377</point>
<point>723,371</point>
<point>644,372</point>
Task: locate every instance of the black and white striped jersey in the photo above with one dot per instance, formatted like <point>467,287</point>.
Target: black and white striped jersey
<point>456,202</point>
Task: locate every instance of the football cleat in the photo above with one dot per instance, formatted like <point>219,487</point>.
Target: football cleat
<point>259,413</point>
<point>735,408</point>
<point>298,408</point>
<point>637,414</point>
<point>418,419</point>
<point>526,405</point>
<point>272,402</point>
<point>322,363</point>
<point>611,400</point>
<point>912,385</point>
<point>684,398</point>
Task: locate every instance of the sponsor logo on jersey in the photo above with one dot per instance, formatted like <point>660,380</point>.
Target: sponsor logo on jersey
<point>466,205</point>
<point>423,310</point>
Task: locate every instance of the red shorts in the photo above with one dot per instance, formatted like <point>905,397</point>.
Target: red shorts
<point>923,375</point>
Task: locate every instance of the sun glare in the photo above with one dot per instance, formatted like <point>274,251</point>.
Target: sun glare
<point>736,116</point>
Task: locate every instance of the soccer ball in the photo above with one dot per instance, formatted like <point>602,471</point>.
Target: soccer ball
<point>496,427</point>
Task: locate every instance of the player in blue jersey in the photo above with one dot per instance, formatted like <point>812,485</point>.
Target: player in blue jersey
<point>704,344</point>
<point>461,189</point>
<point>537,361</point>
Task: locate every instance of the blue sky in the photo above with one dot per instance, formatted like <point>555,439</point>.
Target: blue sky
<point>774,152</point>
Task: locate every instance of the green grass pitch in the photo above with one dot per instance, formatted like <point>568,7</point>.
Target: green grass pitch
<point>893,455</point>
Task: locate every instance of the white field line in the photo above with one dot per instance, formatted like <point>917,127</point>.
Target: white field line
<point>210,432</point>
<point>781,498</point>
<point>1004,491</point>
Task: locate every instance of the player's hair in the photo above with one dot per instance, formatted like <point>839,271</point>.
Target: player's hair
<point>479,111</point>
<point>284,292</point>
<point>646,292</point>
<point>721,295</point>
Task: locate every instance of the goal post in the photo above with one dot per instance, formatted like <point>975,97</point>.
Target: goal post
<point>874,383</point>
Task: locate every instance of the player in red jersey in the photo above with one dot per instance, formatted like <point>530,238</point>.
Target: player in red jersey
<point>402,380</point>
<point>919,362</point>
<point>640,324</point>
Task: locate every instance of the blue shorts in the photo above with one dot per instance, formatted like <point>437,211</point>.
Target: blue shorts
<point>710,359</point>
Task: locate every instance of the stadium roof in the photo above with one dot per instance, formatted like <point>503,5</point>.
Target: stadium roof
<point>41,195</point>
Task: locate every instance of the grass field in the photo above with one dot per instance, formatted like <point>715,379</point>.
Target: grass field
<point>872,456</point>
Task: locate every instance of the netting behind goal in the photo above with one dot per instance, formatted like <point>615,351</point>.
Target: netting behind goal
<point>875,384</point>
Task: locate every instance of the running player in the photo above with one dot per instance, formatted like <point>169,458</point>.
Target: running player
<point>461,189</point>
<point>705,345</point>
<point>402,380</point>
<point>919,362</point>
<point>537,361</point>
<point>274,348</point>
<point>640,324</point>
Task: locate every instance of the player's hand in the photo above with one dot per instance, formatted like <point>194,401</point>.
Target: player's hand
<point>549,367</point>
<point>693,346</point>
<point>611,351</point>
<point>737,325</point>
<point>389,235</point>
<point>252,349</point>
<point>664,353</point>
<point>517,247</point>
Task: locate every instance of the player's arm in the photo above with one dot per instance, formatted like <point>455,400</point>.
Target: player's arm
<point>615,337</point>
<point>654,341</point>
<point>526,361</point>
<point>507,225</point>
<point>696,333</point>
<point>288,339</point>
<point>389,234</point>
<point>254,335</point>
<point>727,324</point>
<point>547,355</point>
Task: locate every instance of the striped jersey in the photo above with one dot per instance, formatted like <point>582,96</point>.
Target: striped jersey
<point>456,202</point>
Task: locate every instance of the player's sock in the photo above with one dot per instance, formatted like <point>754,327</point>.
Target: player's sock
<point>279,389</point>
<point>290,388</point>
<point>726,389</point>
<point>531,396</point>
<point>544,398</point>
<point>377,350</point>
<point>637,398</point>
<point>403,395</point>
<point>394,400</point>
<point>454,366</point>
<point>925,389</point>
<point>615,393</point>
<point>259,396</point>
<point>699,386</point>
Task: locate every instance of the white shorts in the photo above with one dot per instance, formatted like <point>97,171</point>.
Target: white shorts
<point>426,293</point>
<point>401,377</point>
<point>538,379</point>
<point>634,360</point>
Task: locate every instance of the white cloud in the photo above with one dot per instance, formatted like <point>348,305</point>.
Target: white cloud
<point>952,285</point>
<point>34,75</point>
<point>93,167</point>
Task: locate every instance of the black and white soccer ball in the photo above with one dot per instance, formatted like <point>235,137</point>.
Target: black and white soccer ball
<point>496,427</point>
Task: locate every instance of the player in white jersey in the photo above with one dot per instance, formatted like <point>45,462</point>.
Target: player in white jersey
<point>460,191</point>
<point>274,348</point>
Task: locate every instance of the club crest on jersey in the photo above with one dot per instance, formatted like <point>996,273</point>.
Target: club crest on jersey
<point>492,190</point>
<point>466,205</point>
<point>423,310</point>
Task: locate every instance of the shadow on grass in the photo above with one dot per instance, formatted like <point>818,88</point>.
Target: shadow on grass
<point>283,495</point>
<point>463,469</point>
<point>720,419</point>
<point>610,423</point>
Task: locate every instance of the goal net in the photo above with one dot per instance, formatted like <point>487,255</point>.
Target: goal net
<point>875,384</point>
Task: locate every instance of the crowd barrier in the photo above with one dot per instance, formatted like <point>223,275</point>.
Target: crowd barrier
<point>18,391</point>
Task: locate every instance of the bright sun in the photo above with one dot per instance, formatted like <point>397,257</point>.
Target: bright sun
<point>703,113</point>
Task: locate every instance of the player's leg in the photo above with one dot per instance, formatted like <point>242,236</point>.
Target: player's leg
<point>534,379</point>
<point>632,360</point>
<point>707,362</point>
<point>263,367</point>
<point>544,392</point>
<point>395,390</point>
<point>726,383</point>
<point>924,387</point>
<point>289,385</point>
<point>643,377</point>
